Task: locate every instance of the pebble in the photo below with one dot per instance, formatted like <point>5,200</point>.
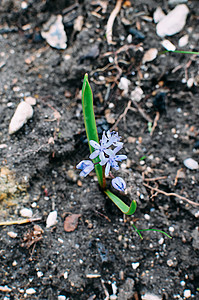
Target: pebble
<point>30,291</point>
<point>26,212</point>
<point>39,274</point>
<point>175,2</point>
<point>173,22</point>
<point>171,229</point>
<point>61,297</point>
<point>191,164</point>
<point>147,217</point>
<point>51,219</point>
<point>2,146</point>
<point>149,296</point>
<point>137,94</point>
<point>150,55</point>
<point>124,84</point>
<point>12,234</point>
<point>135,265</point>
<point>187,293</point>
<point>182,283</point>
<point>190,82</point>
<point>170,262</point>
<point>161,241</point>
<point>22,114</point>
<point>168,45</point>
<point>183,41</point>
<point>158,15</point>
<point>55,36</point>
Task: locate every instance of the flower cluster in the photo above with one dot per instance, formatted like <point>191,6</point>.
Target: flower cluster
<point>107,151</point>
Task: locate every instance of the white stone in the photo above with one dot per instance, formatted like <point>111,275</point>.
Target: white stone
<point>183,41</point>
<point>149,296</point>
<point>51,219</point>
<point>173,22</point>
<point>158,15</point>
<point>39,274</point>
<point>190,82</point>
<point>12,234</point>
<point>135,265</point>
<point>124,84</point>
<point>191,164</point>
<point>23,112</point>
<point>168,45</point>
<point>26,212</point>
<point>187,293</point>
<point>61,297</point>
<point>65,275</point>
<point>150,55</point>
<point>161,241</point>
<point>56,36</point>
<point>137,94</point>
<point>30,291</point>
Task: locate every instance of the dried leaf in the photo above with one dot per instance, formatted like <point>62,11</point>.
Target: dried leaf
<point>71,222</point>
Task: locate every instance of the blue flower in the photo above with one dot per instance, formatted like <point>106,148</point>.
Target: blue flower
<point>114,138</point>
<point>86,166</point>
<point>99,148</point>
<point>112,160</point>
<point>119,184</point>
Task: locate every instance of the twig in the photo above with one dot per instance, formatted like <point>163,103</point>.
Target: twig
<point>154,179</point>
<point>19,222</point>
<point>122,115</point>
<point>141,111</point>
<point>155,123</point>
<point>170,194</point>
<point>109,28</point>
<point>177,175</point>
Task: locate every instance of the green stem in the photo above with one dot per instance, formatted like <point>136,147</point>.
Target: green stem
<point>178,51</point>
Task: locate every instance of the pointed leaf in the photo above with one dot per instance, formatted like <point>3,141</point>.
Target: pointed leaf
<point>121,205</point>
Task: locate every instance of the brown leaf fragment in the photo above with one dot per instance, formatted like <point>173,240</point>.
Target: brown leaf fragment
<point>71,222</point>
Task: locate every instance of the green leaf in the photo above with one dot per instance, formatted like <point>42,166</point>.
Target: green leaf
<point>121,205</point>
<point>90,126</point>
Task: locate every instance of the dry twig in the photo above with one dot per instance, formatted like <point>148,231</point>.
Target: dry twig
<point>109,28</point>
<point>155,123</point>
<point>171,194</point>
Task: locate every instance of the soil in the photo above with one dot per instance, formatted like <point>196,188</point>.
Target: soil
<point>38,162</point>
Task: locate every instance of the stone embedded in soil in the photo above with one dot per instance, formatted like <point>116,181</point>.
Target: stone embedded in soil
<point>30,291</point>
<point>191,164</point>
<point>22,114</point>
<point>149,296</point>
<point>124,84</point>
<point>168,45</point>
<point>51,219</point>
<point>187,293</point>
<point>55,36</point>
<point>26,212</point>
<point>173,22</point>
<point>137,94</point>
<point>71,222</point>
<point>183,41</point>
<point>150,55</point>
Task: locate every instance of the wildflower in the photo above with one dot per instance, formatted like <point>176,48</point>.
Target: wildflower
<point>114,138</point>
<point>112,160</point>
<point>86,166</point>
<point>99,148</point>
<point>119,184</point>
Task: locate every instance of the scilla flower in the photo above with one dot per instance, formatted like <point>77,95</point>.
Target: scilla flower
<point>112,160</point>
<point>86,166</point>
<point>119,184</point>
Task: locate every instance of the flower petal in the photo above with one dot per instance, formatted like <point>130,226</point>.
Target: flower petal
<point>94,154</point>
<point>107,169</point>
<point>120,157</point>
<point>119,184</point>
<point>94,144</point>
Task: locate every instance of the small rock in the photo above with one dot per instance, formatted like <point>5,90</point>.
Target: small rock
<point>30,291</point>
<point>22,114</point>
<point>168,45</point>
<point>51,219</point>
<point>187,293</point>
<point>195,236</point>
<point>135,265</point>
<point>71,222</point>
<point>30,100</point>
<point>191,164</point>
<point>126,291</point>
<point>170,262</point>
<point>39,274</point>
<point>55,36</point>
<point>72,175</point>
<point>183,41</point>
<point>26,212</point>
<point>124,84</point>
<point>12,234</point>
<point>149,296</point>
<point>190,82</point>
<point>173,22</point>
<point>137,94</point>
<point>176,2</point>
<point>158,15</point>
<point>61,297</point>
<point>150,55</point>
<point>2,146</point>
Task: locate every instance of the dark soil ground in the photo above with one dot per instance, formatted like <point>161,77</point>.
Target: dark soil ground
<point>104,251</point>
